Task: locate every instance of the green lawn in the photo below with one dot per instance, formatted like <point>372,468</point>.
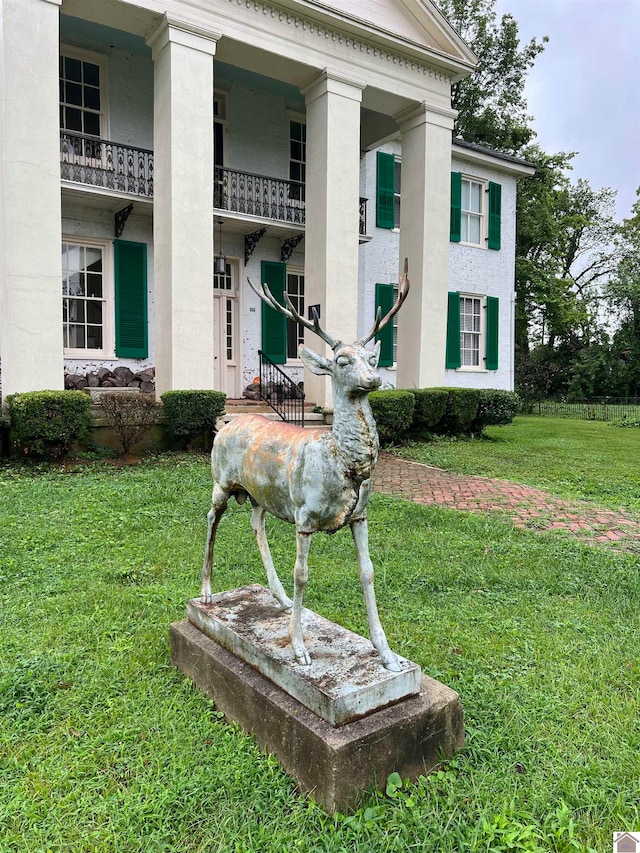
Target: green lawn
<point>589,460</point>
<point>104,746</point>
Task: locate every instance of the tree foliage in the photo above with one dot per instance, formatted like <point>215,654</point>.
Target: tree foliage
<point>491,106</point>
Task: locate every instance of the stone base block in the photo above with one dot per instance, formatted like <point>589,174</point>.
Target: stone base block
<point>335,765</point>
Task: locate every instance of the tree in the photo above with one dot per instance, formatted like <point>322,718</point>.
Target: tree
<point>491,106</point>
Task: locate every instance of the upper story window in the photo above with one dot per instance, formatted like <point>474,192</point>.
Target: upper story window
<point>82,92</point>
<point>472,220</point>
<point>388,188</point>
<point>297,159</point>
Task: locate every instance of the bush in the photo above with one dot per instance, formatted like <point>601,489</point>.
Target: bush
<point>44,424</point>
<point>430,408</point>
<point>462,407</point>
<point>130,415</point>
<point>495,408</point>
<point>393,413</point>
<point>191,413</point>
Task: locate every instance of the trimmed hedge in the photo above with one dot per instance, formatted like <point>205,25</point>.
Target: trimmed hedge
<point>462,408</point>
<point>430,408</point>
<point>495,408</point>
<point>188,414</point>
<point>393,413</point>
<point>45,424</point>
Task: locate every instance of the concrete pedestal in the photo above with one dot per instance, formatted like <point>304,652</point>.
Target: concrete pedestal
<point>334,764</point>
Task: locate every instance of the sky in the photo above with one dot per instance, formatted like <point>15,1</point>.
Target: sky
<point>584,89</point>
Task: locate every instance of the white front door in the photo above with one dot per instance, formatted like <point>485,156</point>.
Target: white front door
<point>226,361</point>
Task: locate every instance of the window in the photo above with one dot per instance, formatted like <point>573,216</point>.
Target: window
<point>470,330</point>
<point>396,193</point>
<point>475,212</point>
<point>295,331</point>
<point>472,212</point>
<point>223,281</point>
<point>297,159</point>
<point>104,298</point>
<point>84,297</point>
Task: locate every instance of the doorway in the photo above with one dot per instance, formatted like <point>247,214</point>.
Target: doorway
<point>226,356</point>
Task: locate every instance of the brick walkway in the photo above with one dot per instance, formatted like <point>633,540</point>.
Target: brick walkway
<point>526,506</point>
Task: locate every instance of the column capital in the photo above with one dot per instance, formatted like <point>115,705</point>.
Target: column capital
<point>329,82</point>
<point>424,113</point>
<point>54,2</point>
<point>173,30</point>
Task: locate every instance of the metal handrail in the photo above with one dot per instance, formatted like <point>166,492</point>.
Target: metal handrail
<point>102,163</point>
<point>280,392</point>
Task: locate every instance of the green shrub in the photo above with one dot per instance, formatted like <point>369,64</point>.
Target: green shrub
<point>44,424</point>
<point>495,408</point>
<point>393,413</point>
<point>191,413</point>
<point>462,407</point>
<point>431,405</point>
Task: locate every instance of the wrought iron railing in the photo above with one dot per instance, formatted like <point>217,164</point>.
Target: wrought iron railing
<point>257,195</point>
<point>110,165</point>
<point>280,391</point>
<point>363,216</point>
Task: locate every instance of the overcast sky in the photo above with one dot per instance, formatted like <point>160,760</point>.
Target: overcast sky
<point>584,89</point>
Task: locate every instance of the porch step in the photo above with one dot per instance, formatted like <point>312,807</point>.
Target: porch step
<point>236,408</point>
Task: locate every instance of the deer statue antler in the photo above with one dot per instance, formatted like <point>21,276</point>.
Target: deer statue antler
<point>290,312</point>
<point>403,290</point>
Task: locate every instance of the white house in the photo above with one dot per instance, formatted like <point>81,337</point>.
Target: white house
<point>142,139</point>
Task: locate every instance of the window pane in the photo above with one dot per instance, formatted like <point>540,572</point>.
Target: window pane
<point>91,73</point>
<point>465,195</point>
<point>94,337</point>
<point>91,98</point>
<point>92,124</point>
<point>72,69</point>
<point>474,229</point>
<point>93,259</point>
<point>398,176</point>
<point>73,94</point>
<point>76,337</point>
<point>76,310</point>
<point>76,284</point>
<point>94,312</point>
<point>73,119</point>
<point>296,150</point>
<point>476,198</point>
<point>73,255</point>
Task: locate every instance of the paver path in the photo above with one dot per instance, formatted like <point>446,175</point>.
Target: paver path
<point>528,507</point>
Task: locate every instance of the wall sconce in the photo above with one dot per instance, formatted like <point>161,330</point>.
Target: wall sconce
<point>220,263</point>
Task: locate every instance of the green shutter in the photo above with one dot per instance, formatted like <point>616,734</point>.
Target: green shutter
<point>456,207</point>
<point>130,276</point>
<point>493,303</point>
<point>384,301</point>
<point>453,359</point>
<point>495,203</point>
<point>274,325</point>
<point>385,186</point>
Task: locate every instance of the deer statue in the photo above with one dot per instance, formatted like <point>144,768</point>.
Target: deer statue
<point>313,478</point>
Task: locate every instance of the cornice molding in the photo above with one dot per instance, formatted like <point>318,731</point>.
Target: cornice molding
<point>326,33</point>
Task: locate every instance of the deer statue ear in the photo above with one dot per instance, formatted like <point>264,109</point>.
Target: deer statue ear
<point>317,364</point>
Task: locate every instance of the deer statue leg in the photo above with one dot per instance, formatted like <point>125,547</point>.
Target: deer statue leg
<point>360,532</point>
<point>300,574</point>
<point>219,500</point>
<point>257,523</point>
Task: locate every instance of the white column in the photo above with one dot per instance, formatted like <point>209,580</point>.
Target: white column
<point>183,205</point>
<point>424,240</point>
<point>30,206</point>
<point>332,214</point>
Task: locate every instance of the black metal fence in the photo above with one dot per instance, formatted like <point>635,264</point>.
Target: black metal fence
<point>101,163</point>
<point>257,195</point>
<point>280,392</point>
<point>596,409</point>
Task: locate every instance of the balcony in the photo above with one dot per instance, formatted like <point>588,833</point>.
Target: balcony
<point>108,165</point>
